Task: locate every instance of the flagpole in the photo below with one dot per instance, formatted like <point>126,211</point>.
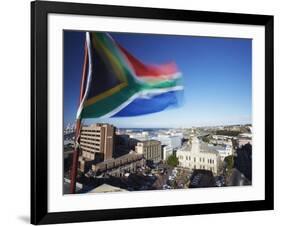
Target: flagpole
<point>75,155</point>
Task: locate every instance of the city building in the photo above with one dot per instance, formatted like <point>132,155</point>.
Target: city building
<point>150,149</point>
<point>174,141</point>
<point>97,139</point>
<point>243,139</point>
<point>68,143</point>
<point>142,136</point>
<point>199,155</point>
<point>104,152</point>
<point>224,151</point>
<point>221,139</point>
<point>70,128</point>
<point>119,166</point>
<point>96,144</point>
<point>166,152</point>
<point>123,141</point>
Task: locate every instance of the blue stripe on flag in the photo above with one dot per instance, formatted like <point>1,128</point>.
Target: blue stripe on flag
<point>141,106</point>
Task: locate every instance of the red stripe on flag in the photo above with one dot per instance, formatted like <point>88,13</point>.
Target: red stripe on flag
<point>144,70</point>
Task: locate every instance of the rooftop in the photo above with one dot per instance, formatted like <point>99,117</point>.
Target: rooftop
<point>150,142</point>
<point>106,188</point>
<point>204,147</point>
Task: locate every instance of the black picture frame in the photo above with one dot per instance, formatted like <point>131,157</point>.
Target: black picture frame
<point>39,112</point>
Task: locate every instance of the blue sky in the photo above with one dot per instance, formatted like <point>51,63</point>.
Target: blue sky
<point>217,76</point>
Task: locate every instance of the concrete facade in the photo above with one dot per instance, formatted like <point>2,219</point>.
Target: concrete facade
<point>97,138</point>
<point>96,144</point>
<point>119,166</point>
<point>150,149</point>
<point>166,152</point>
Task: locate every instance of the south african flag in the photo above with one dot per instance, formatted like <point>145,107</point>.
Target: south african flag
<point>120,85</point>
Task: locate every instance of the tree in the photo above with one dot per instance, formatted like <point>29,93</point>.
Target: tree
<point>228,133</point>
<point>229,160</point>
<point>172,160</point>
<point>206,139</point>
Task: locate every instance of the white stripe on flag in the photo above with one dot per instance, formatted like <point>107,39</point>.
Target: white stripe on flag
<point>145,94</point>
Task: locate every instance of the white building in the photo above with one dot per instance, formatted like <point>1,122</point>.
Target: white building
<point>198,155</point>
<point>70,128</point>
<point>224,151</point>
<point>166,152</point>
<point>142,136</point>
<point>174,141</point>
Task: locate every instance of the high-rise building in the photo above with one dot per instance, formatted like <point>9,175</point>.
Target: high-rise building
<point>96,143</point>
<point>150,149</point>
